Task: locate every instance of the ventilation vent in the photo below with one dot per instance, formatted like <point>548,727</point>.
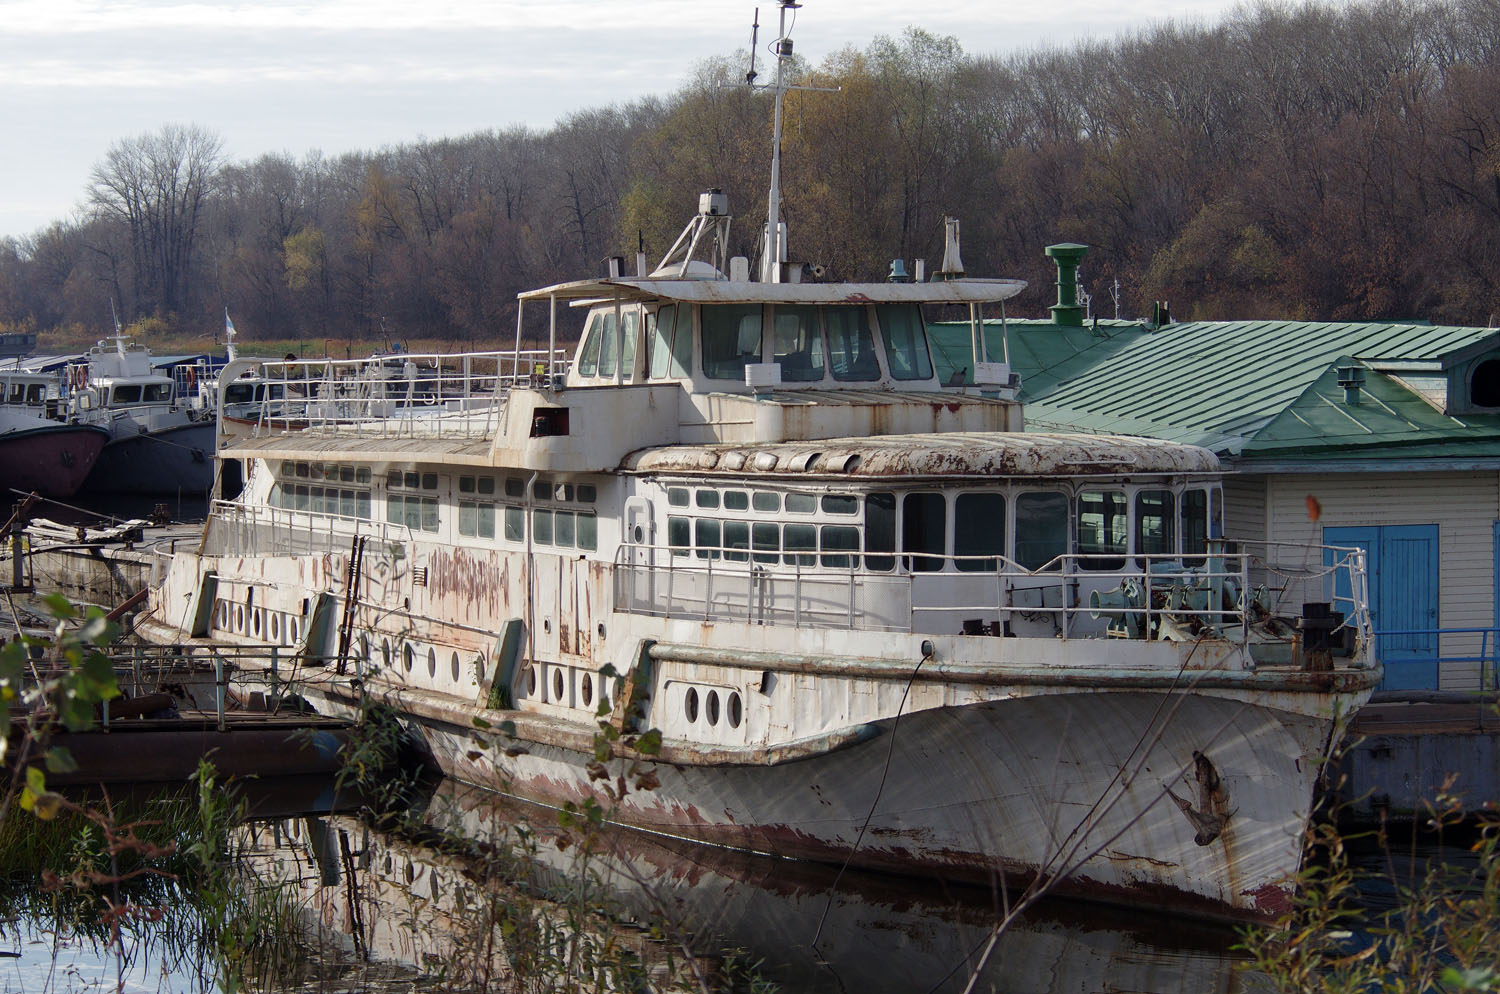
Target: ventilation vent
<point>419,576</point>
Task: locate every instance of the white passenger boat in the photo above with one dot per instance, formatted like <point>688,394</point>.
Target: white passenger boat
<point>870,617</point>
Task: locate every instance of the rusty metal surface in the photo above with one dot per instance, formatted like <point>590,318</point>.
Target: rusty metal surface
<point>730,292</point>
<point>974,454</point>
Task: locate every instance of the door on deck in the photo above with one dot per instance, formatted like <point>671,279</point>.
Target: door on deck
<point>635,584</point>
<point>1401,562</point>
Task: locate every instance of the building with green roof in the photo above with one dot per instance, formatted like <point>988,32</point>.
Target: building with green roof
<point>1381,435</point>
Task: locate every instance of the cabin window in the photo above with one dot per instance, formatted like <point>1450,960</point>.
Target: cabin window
<point>669,341</point>
<point>880,532</point>
<point>731,340</point>
<point>924,531</point>
<point>736,500</point>
<point>515,524</point>
<point>416,513</point>
<point>1155,523</point>
<point>707,498</point>
<point>707,537</point>
<point>840,504</point>
<point>1195,525</point>
<point>587,493</point>
<point>679,535</point>
<point>609,350</point>
<point>1103,529</point>
<point>838,542</point>
<point>630,333</point>
<point>851,345</point>
<point>765,539</point>
<point>736,537</point>
<point>677,496</point>
<point>588,356</point>
<point>765,500</point>
<point>978,530</point>
<point>157,393</point>
<point>1041,529</point>
<point>797,344</point>
<point>905,341</point>
<point>564,529</point>
<point>801,503</point>
<point>476,519</point>
<point>514,486</point>
<point>588,531</point>
<point>541,526</point>
<point>130,394</point>
<point>800,541</point>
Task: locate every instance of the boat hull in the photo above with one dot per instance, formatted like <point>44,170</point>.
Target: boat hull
<point>53,460</point>
<point>171,460</point>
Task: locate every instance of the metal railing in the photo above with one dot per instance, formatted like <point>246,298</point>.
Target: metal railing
<point>240,529</point>
<point>403,394</point>
<point>1486,658</point>
<point>1222,595</point>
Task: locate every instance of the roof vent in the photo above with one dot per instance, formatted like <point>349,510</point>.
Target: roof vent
<point>1067,255</point>
<point>1351,378</point>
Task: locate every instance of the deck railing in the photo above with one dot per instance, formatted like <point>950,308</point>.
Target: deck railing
<point>400,395</point>
<point>240,530</point>
<point>1225,595</point>
<point>1484,644</point>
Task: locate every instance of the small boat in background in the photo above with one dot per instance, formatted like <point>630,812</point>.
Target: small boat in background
<point>39,451</point>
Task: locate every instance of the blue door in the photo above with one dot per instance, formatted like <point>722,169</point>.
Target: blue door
<point>1402,564</point>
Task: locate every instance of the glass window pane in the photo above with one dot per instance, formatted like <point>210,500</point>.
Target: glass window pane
<point>840,504</point>
<point>362,505</point>
<point>630,323</point>
<point>801,503</point>
<point>429,481</point>
<point>706,538</point>
<point>764,500</point>
<point>563,530</point>
<point>659,328</point>
<point>587,494</point>
<point>736,536</point>
<point>1155,522</point>
<point>797,343</point>
<point>362,474</point>
<point>588,532</point>
<point>677,496</point>
<point>514,486</point>
<point>1041,529</point>
<point>800,538</point>
<point>731,339</point>
<point>486,484</point>
<point>487,521</point>
<point>1103,523</point>
<point>736,500</point>
<point>766,538</point>
<point>541,526</point>
<point>515,524</point>
<point>346,503</point>
<point>395,510</point>
<point>468,518</point>
<point>679,535</point>
<point>707,498</point>
<point>880,531</point>
<point>429,514</point>
<point>465,484</point>
<point>905,341</point>
<point>588,357</point>
<point>837,541</point>
<point>611,347</point>
<point>682,343</point>
<point>924,531</point>
<point>979,530</point>
<point>851,345</point>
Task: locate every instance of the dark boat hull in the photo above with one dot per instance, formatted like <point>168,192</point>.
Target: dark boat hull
<point>53,460</point>
<point>174,460</point>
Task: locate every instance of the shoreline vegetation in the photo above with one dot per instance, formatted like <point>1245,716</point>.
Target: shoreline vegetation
<point>1310,161</point>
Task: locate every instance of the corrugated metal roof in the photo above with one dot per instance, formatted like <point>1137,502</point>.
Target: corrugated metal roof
<point>1212,383</point>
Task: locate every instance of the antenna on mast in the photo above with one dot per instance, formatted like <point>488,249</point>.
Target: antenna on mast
<point>754,35</point>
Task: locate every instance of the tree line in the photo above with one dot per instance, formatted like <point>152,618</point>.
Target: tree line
<point>1303,162</point>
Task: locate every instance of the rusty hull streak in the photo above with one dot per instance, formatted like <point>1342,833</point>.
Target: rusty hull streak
<point>1262,679</point>
<point>969,454</point>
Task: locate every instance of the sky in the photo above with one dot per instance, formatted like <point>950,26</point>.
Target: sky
<point>295,76</point>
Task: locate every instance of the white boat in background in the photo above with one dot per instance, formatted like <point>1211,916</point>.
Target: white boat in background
<point>157,444</point>
<point>42,451</point>
<point>870,618</point>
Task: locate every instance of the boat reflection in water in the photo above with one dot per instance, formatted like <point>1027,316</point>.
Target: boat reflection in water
<point>435,900</point>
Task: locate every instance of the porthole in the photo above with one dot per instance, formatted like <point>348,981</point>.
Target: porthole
<point>690,705</point>
<point>735,712</point>
<point>411,872</point>
<point>432,662</point>
<point>557,684</point>
<point>224,614</point>
<point>712,708</point>
<point>239,618</point>
<point>364,648</point>
<point>454,666</point>
<point>479,667</point>
<point>293,629</point>
<point>408,657</point>
<point>255,620</point>
<point>385,653</point>
<point>387,864</point>
<point>275,626</point>
<point>530,681</point>
<point>586,690</point>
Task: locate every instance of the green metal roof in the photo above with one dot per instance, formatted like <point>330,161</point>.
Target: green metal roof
<point>1211,383</point>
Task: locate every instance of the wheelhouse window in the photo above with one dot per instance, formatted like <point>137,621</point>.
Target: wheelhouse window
<point>1155,522</point>
<point>851,344</point>
<point>1041,529</point>
<point>669,342</point>
<point>905,341</point>
<point>731,340</point>
<point>1103,529</point>
<point>1194,525</point>
<point>978,531</point>
<point>880,532</point>
<point>797,343</point>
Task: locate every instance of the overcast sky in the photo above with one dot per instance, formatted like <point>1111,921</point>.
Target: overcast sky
<point>344,75</point>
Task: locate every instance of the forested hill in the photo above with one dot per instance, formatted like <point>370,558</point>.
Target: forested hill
<point>1317,162</point>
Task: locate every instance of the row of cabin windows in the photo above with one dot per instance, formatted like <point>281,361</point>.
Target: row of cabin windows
<point>810,342</point>
<point>321,500</point>
<point>324,471</point>
<point>1100,525</point>
<point>26,393</point>
<point>137,393</point>
<point>764,501</point>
